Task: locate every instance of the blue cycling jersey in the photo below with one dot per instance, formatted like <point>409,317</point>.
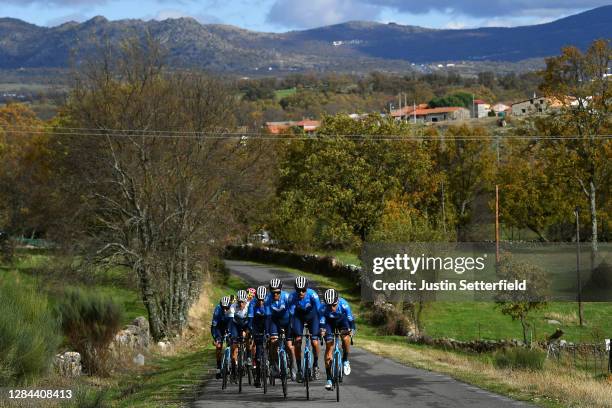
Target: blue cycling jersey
<point>221,316</point>
<point>221,320</point>
<point>257,316</point>
<point>343,311</point>
<point>309,303</point>
<point>255,310</point>
<point>277,309</point>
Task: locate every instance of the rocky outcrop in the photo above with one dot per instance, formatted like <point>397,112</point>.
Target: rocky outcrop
<point>68,364</point>
<point>134,336</point>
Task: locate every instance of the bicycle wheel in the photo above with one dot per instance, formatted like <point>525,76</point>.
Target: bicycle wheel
<point>225,370</point>
<point>337,376</point>
<point>307,374</point>
<point>263,370</point>
<point>283,373</point>
<point>249,369</point>
<point>240,367</point>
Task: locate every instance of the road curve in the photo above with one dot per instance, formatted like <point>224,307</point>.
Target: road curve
<point>374,382</point>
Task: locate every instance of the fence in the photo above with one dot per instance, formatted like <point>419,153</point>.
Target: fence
<point>591,357</point>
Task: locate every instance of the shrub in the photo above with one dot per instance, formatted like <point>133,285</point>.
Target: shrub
<point>29,334</point>
<point>90,322</point>
<point>519,358</point>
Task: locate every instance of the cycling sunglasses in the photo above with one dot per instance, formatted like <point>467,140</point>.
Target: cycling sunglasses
<point>276,292</point>
<point>303,290</point>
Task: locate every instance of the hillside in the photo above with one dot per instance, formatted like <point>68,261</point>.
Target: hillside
<point>361,46</point>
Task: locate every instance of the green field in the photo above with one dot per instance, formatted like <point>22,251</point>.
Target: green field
<point>35,270</point>
<point>282,93</point>
<point>483,320</point>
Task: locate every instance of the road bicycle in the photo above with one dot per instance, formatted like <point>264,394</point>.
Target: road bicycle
<point>226,361</point>
<point>307,359</point>
<point>262,358</point>
<point>337,372</point>
<point>244,368</point>
<point>283,366</point>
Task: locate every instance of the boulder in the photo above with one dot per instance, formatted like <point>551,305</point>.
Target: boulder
<point>134,336</point>
<point>68,364</point>
<point>139,360</point>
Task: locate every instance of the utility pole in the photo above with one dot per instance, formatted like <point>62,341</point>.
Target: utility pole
<point>497,208</point>
<point>399,98</point>
<point>443,208</point>
<point>497,224</point>
<point>580,316</point>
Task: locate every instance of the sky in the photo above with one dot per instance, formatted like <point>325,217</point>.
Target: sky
<point>284,15</point>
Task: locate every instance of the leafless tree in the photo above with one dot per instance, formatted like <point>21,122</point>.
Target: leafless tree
<point>154,176</point>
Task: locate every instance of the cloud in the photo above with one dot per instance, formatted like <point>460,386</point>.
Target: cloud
<point>300,13</point>
<point>456,25</point>
<point>490,8</point>
<point>315,13</point>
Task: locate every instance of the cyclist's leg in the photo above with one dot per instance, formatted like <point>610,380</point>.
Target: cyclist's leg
<point>297,328</point>
<point>316,344</point>
<point>235,336</point>
<point>329,349</point>
<point>274,332</point>
<point>219,354</point>
<point>344,327</point>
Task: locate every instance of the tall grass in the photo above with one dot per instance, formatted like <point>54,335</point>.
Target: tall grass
<point>29,333</point>
<point>519,358</point>
<point>90,322</point>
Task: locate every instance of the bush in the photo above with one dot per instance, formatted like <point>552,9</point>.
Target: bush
<point>519,358</point>
<point>90,322</point>
<point>29,334</point>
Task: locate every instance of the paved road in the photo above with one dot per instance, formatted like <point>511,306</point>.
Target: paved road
<point>374,382</point>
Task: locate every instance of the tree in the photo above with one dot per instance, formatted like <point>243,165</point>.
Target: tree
<point>579,83</point>
<point>466,158</point>
<point>26,171</point>
<point>337,184</point>
<point>532,195</point>
<point>144,196</point>
<point>518,304</point>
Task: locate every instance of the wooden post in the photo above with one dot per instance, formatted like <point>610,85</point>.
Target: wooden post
<point>609,347</point>
<point>497,224</point>
<point>580,315</point>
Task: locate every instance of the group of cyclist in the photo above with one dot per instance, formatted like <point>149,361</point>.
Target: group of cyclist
<point>260,315</point>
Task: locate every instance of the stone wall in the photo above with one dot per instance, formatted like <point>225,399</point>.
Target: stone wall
<point>325,265</point>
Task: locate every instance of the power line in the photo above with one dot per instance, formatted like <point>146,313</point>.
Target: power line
<point>170,134</point>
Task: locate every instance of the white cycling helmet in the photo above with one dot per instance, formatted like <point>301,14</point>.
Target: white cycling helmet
<point>262,291</point>
<point>276,284</point>
<point>242,296</point>
<point>301,283</point>
<point>225,301</point>
<point>331,296</point>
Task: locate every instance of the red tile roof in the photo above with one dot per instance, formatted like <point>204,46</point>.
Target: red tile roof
<point>447,109</point>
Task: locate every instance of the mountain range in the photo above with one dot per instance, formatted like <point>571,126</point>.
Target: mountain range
<point>357,45</point>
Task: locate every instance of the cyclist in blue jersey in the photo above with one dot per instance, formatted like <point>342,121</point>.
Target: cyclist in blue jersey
<point>222,316</point>
<point>257,325</point>
<point>277,318</point>
<point>336,315</point>
<point>305,307</point>
<point>239,324</point>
